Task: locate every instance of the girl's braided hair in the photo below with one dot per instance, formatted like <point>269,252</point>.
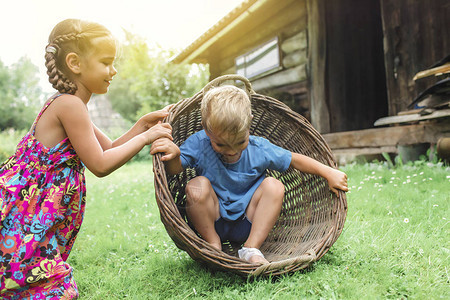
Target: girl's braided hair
<point>68,36</point>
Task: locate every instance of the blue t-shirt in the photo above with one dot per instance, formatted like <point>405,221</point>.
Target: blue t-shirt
<point>233,183</point>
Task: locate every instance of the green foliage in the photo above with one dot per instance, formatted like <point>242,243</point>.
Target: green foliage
<point>394,244</point>
<point>147,81</point>
<point>20,94</point>
<point>8,142</point>
<point>398,162</point>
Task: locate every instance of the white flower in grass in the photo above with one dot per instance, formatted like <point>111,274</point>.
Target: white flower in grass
<point>406,220</point>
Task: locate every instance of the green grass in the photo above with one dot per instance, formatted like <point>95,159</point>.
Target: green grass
<point>395,243</point>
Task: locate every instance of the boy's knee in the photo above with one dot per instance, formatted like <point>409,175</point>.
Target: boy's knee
<point>197,189</point>
<point>274,185</point>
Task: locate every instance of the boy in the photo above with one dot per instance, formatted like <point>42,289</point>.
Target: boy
<point>231,199</point>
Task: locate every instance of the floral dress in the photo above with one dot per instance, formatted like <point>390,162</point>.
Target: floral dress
<point>42,202</point>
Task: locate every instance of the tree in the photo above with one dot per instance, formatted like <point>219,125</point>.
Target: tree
<point>147,81</point>
<point>20,94</point>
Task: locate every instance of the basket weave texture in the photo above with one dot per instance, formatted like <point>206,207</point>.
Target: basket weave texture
<point>311,218</point>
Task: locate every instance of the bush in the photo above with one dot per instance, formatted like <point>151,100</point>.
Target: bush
<point>8,142</point>
<point>148,81</point>
<point>20,94</point>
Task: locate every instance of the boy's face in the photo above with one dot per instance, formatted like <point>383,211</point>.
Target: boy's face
<point>229,146</point>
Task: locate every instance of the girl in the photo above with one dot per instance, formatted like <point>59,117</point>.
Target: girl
<point>42,186</point>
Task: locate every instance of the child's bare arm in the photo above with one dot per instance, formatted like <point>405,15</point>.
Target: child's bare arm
<point>171,155</point>
<point>143,124</point>
<point>336,179</point>
<point>93,148</point>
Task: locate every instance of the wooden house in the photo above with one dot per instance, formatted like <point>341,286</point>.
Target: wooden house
<point>343,64</point>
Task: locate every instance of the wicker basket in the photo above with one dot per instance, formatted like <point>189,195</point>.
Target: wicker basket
<point>311,218</point>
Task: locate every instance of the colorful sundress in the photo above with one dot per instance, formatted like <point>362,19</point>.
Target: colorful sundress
<point>42,201</point>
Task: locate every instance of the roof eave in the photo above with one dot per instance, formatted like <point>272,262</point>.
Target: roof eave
<point>192,53</point>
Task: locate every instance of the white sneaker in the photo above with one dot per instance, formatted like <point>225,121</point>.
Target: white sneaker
<point>247,253</point>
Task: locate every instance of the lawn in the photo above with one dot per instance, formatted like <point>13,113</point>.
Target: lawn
<point>395,243</point>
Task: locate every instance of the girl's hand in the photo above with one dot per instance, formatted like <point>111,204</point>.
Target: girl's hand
<point>337,180</point>
<point>151,119</point>
<point>168,107</point>
<point>160,130</point>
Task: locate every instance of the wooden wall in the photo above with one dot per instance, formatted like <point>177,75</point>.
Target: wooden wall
<point>286,19</point>
<point>346,88</point>
<point>416,35</point>
<point>345,63</point>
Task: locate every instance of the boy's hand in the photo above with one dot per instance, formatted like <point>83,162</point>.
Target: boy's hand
<point>166,146</point>
<point>337,180</point>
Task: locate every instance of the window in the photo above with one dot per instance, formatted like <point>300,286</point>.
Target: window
<point>260,61</point>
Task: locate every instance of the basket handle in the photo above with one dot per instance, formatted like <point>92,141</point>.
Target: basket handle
<point>217,81</point>
<point>303,260</point>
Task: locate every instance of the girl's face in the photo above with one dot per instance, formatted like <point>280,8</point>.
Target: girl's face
<point>97,69</point>
<point>229,146</point>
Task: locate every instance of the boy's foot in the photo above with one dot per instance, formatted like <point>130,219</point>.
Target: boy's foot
<point>252,255</point>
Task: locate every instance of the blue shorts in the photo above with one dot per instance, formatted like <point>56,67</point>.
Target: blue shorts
<point>233,231</point>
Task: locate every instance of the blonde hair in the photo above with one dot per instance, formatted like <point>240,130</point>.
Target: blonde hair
<point>71,35</point>
<point>226,108</point>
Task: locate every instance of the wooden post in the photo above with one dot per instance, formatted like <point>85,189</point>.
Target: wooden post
<point>320,117</point>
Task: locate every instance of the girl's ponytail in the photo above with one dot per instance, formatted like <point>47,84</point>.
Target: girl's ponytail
<point>57,78</point>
